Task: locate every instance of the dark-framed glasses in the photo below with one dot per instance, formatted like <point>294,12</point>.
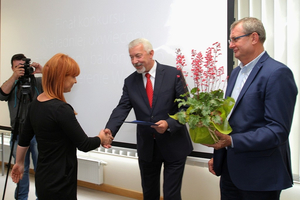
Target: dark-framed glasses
<point>234,39</point>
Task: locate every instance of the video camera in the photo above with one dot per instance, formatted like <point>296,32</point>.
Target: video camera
<point>25,79</point>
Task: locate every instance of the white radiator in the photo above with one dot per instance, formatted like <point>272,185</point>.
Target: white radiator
<point>90,170</point>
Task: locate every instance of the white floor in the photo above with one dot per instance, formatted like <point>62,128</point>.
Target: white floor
<point>82,193</point>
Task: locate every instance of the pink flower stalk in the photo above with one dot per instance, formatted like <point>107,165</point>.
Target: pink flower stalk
<point>180,62</point>
<point>206,75</point>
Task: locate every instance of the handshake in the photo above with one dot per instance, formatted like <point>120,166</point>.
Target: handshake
<point>106,138</point>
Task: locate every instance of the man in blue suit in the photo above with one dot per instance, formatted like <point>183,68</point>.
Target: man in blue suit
<point>168,142</point>
<point>254,160</point>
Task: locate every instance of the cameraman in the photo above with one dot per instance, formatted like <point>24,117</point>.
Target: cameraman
<point>12,91</point>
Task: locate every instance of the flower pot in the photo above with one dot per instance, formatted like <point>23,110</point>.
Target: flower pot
<point>201,135</point>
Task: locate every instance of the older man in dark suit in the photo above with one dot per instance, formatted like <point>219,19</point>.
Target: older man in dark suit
<point>168,141</point>
<point>256,161</point>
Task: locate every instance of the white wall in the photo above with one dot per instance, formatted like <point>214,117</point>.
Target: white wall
<point>4,113</point>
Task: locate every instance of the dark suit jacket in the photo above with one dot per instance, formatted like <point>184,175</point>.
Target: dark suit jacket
<point>261,122</point>
<point>169,84</point>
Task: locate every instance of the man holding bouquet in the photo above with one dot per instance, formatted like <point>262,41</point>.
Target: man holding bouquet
<point>254,160</point>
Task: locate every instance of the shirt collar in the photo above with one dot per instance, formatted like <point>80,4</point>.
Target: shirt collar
<point>248,68</point>
<point>152,71</point>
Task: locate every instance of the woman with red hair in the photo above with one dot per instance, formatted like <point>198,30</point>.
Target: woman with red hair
<point>52,120</point>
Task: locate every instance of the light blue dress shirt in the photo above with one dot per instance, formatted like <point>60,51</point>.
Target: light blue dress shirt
<point>240,81</point>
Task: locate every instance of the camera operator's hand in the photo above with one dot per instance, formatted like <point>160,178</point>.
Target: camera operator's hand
<point>18,71</point>
<point>38,68</point>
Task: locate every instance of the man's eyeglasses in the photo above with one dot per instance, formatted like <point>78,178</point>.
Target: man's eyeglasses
<point>234,39</point>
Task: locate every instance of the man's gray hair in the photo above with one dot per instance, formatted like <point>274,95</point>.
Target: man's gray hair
<point>250,25</point>
<point>146,44</point>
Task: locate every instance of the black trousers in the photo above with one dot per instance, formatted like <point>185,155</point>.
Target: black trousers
<point>172,175</point>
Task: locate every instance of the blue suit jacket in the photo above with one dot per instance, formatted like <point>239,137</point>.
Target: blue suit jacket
<point>261,122</point>
<point>169,84</point>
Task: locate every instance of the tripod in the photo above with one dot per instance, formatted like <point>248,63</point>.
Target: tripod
<point>25,95</point>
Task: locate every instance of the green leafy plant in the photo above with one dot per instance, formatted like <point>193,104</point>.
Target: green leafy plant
<point>207,108</point>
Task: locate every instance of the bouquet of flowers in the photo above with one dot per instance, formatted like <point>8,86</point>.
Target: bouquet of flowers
<point>207,109</point>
